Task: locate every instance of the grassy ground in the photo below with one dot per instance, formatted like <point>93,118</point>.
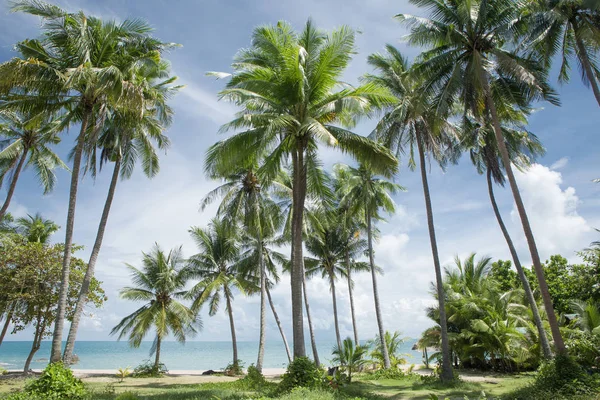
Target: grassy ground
<point>188,388</point>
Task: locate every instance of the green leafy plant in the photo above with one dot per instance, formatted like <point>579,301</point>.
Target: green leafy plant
<point>123,373</point>
<point>3,371</point>
<point>390,373</point>
<point>234,369</point>
<point>127,396</point>
<point>302,372</point>
<point>148,369</point>
<point>350,357</point>
<point>57,382</point>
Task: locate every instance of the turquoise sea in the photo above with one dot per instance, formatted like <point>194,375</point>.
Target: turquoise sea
<point>176,356</point>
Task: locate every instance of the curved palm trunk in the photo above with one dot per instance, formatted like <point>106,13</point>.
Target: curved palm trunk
<point>335,313</point>
<point>585,62</point>
<point>350,293</point>
<point>281,331</point>
<point>13,183</point>
<point>384,348</point>
<point>157,355</point>
<point>297,273</point>
<point>313,342</point>
<point>37,341</point>
<point>535,257</point>
<point>447,373</point>
<point>56,352</point>
<point>89,273</point>
<point>232,326</point>
<point>9,316</point>
<point>546,350</point>
<point>263,306</point>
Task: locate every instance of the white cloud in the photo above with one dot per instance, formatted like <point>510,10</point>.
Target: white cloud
<point>552,211</point>
<point>560,163</point>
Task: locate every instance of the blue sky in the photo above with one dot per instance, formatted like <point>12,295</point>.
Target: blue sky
<point>562,202</point>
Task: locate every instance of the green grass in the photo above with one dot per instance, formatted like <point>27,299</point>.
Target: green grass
<point>410,388</point>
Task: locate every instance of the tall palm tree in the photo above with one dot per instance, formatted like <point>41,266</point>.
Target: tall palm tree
<point>160,284</point>
<point>569,28</point>
<point>413,123</point>
<point>469,63</point>
<point>368,194</point>
<point>124,138</point>
<point>28,139</point>
<point>216,267</point>
<point>523,146</point>
<point>244,199</point>
<point>36,229</point>
<point>78,65</point>
<point>293,101</point>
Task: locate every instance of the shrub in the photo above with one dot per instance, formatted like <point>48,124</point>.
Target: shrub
<point>3,371</point>
<point>57,382</point>
<point>236,368</point>
<point>123,373</point>
<point>584,347</point>
<point>254,379</point>
<point>148,370</point>
<point>389,373</point>
<point>302,372</point>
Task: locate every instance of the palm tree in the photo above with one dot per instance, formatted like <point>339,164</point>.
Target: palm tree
<point>393,341</point>
<point>36,229</point>
<point>349,356</point>
<point>328,247</point>
<point>216,267</point>
<point>28,138</point>
<point>160,284</point>
<point>468,63</point>
<point>288,85</point>
<point>523,146</point>
<point>411,123</point>
<point>244,199</point>
<point>124,138</point>
<point>78,65</point>
<point>365,192</point>
<point>568,27</point>
<point>588,316</point>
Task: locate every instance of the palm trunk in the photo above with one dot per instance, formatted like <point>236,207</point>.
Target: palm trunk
<point>6,325</point>
<point>546,350</point>
<point>585,62</point>
<point>13,182</point>
<point>285,343</point>
<point>297,273</point>
<point>89,273</point>
<point>263,306</point>
<point>384,349</point>
<point>232,326</point>
<point>350,284</point>
<point>56,352</point>
<point>37,340</point>
<point>157,355</point>
<point>335,313</point>
<point>535,257</point>
<point>426,357</point>
<point>313,342</point>
<point>447,373</point>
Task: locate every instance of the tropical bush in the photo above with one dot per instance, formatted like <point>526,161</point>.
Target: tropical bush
<point>234,369</point>
<point>123,373</point>
<point>254,379</point>
<point>57,382</point>
<point>148,370</point>
<point>302,372</point>
<point>3,371</point>
<point>351,358</point>
<point>390,373</point>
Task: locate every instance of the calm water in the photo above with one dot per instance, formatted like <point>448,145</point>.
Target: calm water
<point>190,356</point>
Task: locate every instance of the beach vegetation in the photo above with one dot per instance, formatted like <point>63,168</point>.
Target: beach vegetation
<point>302,372</point>
<point>149,369</point>
<point>123,373</point>
<point>57,382</point>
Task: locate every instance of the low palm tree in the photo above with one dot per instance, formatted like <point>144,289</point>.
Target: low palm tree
<point>368,194</point>
<point>349,356</point>
<point>293,102</point>
<point>569,29</point>
<point>36,229</point>
<point>588,316</point>
<point>393,341</point>
<point>414,123</point>
<point>471,66</point>
<point>160,283</point>
<point>216,266</point>
<point>28,139</point>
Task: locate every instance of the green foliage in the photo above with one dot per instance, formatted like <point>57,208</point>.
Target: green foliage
<point>393,341</point>
<point>57,382</point>
<point>350,357</point>
<point>584,347</point>
<point>148,370</point>
<point>3,371</point>
<point>302,372</point>
<point>254,379</point>
<point>123,373</point>
<point>383,373</point>
<point>127,396</point>
<point>235,368</point>
<point>563,375</point>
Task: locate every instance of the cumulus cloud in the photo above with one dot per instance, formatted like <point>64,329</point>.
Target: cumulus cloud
<point>552,211</point>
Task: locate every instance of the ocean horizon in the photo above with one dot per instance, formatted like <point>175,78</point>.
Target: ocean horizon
<point>192,355</point>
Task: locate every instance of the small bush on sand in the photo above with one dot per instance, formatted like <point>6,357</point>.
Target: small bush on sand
<point>57,382</point>
<point>302,372</point>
